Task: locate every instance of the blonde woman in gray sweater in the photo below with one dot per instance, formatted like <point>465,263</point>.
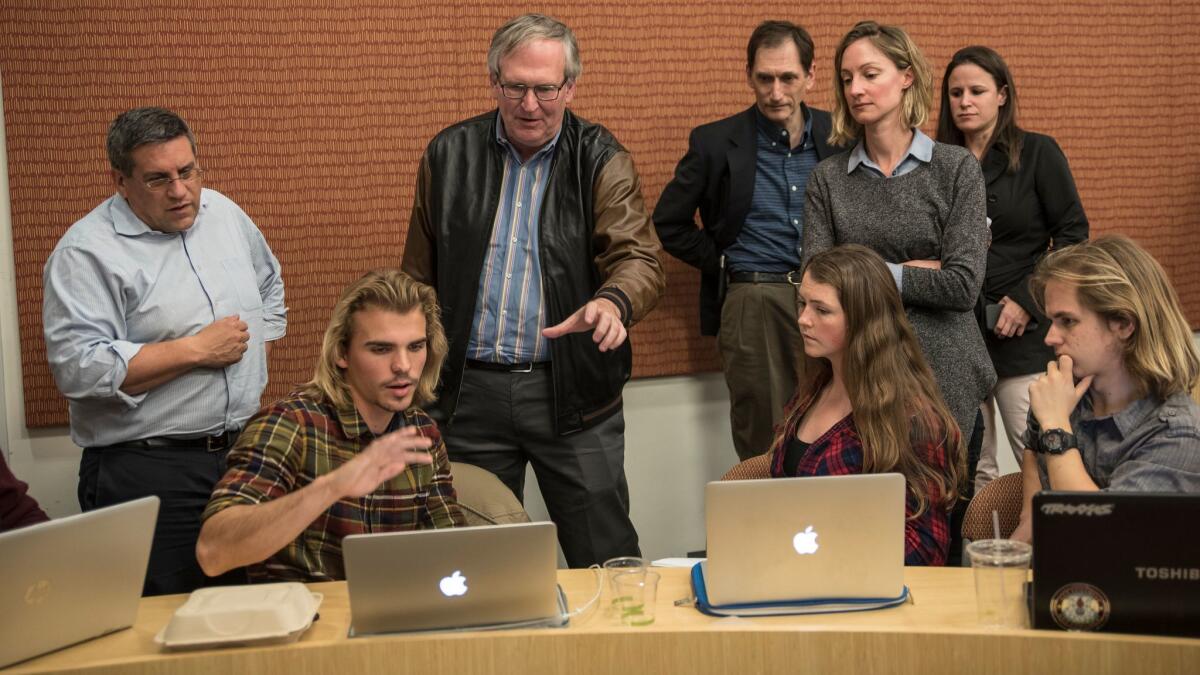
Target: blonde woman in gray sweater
<point>919,204</point>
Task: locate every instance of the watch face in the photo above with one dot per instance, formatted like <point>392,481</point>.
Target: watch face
<point>1053,441</point>
<point>1056,441</point>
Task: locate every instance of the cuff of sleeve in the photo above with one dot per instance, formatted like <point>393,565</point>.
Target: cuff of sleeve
<point>274,331</point>
<point>617,297</point>
<point>897,275</point>
<point>125,352</point>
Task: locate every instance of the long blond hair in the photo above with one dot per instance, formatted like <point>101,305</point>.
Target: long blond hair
<point>391,290</point>
<point>895,399</point>
<point>1120,281</point>
<point>900,49</point>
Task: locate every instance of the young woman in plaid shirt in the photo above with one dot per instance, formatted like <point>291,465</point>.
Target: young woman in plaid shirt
<point>867,402</point>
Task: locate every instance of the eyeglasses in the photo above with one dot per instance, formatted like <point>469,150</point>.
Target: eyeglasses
<point>188,175</point>
<point>543,92</point>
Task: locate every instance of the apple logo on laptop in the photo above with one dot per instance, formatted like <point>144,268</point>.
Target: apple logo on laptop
<point>455,584</point>
<point>805,542</point>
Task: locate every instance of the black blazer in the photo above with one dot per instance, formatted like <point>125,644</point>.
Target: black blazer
<point>716,177</point>
<point>1032,211</point>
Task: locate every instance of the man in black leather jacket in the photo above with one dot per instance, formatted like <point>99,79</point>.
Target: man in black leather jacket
<point>529,222</point>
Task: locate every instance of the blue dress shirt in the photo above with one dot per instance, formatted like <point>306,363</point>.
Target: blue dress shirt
<point>113,285</point>
<point>509,315</point>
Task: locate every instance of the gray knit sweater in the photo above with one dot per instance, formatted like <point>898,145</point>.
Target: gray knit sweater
<point>934,212</point>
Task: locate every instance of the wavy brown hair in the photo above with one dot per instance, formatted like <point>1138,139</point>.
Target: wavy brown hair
<point>895,399</point>
<point>394,291</point>
<point>1120,281</point>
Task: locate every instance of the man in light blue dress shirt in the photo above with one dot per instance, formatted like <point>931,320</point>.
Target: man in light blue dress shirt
<point>159,308</point>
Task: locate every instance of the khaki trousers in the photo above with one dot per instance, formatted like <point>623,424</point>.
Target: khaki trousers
<point>761,354</point>
<point>1011,397</point>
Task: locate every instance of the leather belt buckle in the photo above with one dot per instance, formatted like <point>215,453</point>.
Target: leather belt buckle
<point>220,442</point>
<point>794,277</point>
<point>526,367</point>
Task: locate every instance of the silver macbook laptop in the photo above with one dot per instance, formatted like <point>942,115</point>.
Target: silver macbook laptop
<point>467,577</point>
<point>814,538</point>
<point>72,579</point>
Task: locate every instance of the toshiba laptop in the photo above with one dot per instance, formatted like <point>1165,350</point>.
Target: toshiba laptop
<point>798,539</point>
<point>71,579</point>
<point>1117,562</point>
<point>493,576</point>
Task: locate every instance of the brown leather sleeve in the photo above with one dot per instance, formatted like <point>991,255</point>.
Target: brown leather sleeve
<point>628,253</point>
<point>418,261</point>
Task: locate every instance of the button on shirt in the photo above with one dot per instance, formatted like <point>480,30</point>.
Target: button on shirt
<point>1150,446</point>
<point>113,285</point>
<point>920,151</point>
<point>509,313</point>
<point>769,241</point>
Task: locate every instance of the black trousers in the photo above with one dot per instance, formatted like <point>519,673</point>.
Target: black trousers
<point>504,420</point>
<point>183,480</point>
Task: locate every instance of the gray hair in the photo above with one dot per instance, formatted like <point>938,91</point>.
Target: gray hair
<point>527,28</point>
<point>140,126</point>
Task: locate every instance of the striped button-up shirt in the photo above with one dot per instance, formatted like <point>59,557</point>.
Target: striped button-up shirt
<point>509,315</point>
<point>287,446</point>
<point>769,241</point>
<point>113,285</point>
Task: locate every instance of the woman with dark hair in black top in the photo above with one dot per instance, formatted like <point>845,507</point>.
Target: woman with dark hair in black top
<point>1032,207</point>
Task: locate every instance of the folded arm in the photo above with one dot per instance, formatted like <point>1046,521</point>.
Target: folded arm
<point>958,277</point>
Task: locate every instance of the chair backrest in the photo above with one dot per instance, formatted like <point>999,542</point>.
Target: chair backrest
<point>483,498</point>
<point>754,468</point>
<point>1002,495</point>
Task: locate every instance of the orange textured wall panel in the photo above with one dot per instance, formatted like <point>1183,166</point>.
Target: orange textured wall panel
<point>313,118</point>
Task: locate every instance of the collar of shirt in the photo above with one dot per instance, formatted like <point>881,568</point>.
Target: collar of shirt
<point>1125,420</point>
<point>779,135</point>
<point>921,149</point>
<point>502,139</point>
<point>126,222</point>
<point>354,426</point>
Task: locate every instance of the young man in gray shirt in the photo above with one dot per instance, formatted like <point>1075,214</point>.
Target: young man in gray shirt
<point>1114,411</point>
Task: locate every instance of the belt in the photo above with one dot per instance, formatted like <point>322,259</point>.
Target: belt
<point>526,367</point>
<point>219,442</point>
<point>792,277</point>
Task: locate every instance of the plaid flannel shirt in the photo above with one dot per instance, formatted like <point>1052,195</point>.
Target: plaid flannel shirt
<point>289,444</point>
<point>839,452</point>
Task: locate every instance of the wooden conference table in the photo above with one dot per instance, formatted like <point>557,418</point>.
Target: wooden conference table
<point>936,633</point>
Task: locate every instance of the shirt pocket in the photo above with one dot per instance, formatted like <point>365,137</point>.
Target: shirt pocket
<point>239,274</point>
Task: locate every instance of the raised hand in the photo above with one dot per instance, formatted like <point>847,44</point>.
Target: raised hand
<point>1055,394</point>
<point>383,459</point>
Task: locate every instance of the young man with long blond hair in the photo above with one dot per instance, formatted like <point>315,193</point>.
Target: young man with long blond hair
<point>1114,410</point>
<point>349,452</point>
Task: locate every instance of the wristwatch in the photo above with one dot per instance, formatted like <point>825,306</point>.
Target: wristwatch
<point>1056,442</point>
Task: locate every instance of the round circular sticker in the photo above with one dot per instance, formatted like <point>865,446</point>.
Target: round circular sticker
<point>1080,607</point>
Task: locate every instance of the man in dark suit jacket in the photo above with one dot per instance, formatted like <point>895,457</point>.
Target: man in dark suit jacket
<point>746,174</point>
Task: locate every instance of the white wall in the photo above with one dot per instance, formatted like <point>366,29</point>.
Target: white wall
<point>677,432</point>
